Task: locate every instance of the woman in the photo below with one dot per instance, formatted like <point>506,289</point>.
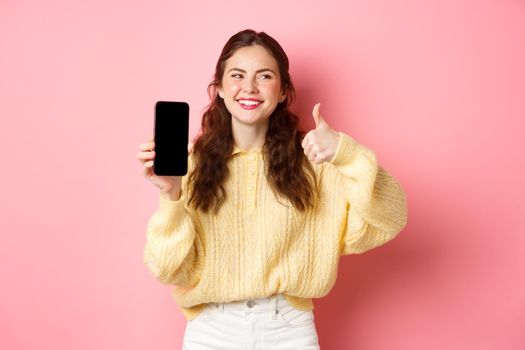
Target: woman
<point>255,230</point>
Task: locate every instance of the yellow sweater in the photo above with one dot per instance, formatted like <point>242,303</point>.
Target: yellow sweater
<point>257,246</point>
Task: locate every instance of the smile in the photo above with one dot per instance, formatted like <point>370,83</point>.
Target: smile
<point>249,104</point>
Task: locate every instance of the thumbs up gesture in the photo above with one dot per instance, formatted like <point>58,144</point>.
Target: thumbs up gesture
<point>320,144</point>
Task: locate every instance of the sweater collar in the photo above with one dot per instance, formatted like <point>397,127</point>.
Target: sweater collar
<point>236,150</point>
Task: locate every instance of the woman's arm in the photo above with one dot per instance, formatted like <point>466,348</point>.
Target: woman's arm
<point>376,203</point>
<point>173,253</point>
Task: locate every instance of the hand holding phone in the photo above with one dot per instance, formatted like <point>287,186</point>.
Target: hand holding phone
<point>169,185</point>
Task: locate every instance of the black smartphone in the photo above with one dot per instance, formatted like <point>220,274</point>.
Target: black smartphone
<point>171,138</point>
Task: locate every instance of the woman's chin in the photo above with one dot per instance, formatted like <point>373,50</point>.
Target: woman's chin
<point>250,119</point>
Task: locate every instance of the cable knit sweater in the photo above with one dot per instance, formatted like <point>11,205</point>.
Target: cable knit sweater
<point>259,244</point>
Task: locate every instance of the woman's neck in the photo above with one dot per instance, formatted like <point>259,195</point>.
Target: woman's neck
<point>249,137</point>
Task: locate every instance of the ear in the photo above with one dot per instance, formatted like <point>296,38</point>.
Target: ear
<point>282,97</point>
<point>221,93</point>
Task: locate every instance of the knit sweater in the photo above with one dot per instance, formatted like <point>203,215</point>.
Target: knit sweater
<point>258,244</point>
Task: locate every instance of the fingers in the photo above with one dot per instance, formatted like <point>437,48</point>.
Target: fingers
<point>306,141</point>
<point>309,144</point>
<point>316,114</point>
<point>308,148</point>
<point>147,146</point>
<point>312,149</point>
<point>146,156</point>
<point>148,169</point>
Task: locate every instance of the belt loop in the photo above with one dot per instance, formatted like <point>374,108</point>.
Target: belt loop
<point>220,306</point>
<point>275,311</point>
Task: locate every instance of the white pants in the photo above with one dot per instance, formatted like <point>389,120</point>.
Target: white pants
<point>253,324</point>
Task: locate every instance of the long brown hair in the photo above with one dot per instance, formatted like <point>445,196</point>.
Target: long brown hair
<point>287,169</point>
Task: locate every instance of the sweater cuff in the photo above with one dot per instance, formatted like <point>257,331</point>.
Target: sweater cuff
<point>171,209</point>
<point>345,150</point>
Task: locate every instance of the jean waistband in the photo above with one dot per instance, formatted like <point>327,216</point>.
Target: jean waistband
<point>272,303</point>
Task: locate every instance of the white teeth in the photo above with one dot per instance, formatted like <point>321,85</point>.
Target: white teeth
<point>249,102</point>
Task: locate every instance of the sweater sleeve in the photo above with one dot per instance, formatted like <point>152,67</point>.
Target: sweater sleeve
<point>173,252</point>
<point>376,203</point>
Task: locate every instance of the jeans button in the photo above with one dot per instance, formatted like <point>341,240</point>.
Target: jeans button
<point>250,303</point>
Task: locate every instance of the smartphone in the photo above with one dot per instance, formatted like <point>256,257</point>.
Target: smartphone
<point>171,138</point>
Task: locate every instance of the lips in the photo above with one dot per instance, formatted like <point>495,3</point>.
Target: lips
<point>249,103</point>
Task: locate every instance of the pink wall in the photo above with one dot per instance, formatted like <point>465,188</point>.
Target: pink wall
<point>436,88</point>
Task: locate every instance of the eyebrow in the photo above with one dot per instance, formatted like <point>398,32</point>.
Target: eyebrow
<point>260,70</point>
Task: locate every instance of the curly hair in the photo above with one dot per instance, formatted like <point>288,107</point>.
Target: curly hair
<point>287,169</point>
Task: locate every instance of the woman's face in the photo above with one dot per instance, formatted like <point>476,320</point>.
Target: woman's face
<point>251,85</point>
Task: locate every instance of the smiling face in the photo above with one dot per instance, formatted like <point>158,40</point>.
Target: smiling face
<point>251,85</point>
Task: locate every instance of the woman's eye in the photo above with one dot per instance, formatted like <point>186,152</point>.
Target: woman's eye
<point>266,76</point>
<point>236,75</point>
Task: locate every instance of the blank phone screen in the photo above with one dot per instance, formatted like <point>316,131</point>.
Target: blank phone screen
<point>171,138</point>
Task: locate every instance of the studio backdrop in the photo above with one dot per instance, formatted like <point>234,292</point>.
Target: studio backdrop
<point>435,88</point>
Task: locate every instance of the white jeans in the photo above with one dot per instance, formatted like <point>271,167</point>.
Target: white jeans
<point>253,324</point>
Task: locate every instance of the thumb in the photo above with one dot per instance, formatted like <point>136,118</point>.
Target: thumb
<point>317,115</point>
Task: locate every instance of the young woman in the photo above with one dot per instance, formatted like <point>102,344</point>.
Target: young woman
<point>255,230</point>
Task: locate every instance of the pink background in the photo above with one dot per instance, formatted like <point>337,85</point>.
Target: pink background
<point>435,88</point>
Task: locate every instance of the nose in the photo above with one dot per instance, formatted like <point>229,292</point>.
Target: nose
<point>249,86</point>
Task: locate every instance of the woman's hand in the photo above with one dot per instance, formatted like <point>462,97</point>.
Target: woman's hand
<point>169,185</point>
<point>320,144</point>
